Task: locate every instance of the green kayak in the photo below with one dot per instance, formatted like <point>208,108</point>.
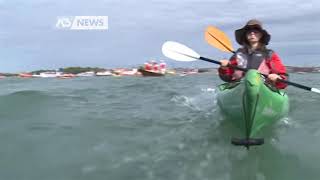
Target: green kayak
<point>251,105</point>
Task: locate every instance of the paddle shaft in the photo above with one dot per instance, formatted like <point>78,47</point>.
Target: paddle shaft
<point>217,62</point>
<point>295,84</point>
<point>280,80</point>
<point>181,52</point>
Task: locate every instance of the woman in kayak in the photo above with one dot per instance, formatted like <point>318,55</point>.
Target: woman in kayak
<point>254,55</point>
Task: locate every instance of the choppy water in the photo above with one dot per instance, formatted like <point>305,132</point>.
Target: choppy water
<point>146,128</point>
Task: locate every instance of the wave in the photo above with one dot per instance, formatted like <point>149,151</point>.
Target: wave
<point>33,101</point>
<point>24,96</point>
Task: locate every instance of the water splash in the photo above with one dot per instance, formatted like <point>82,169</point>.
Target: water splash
<point>185,101</point>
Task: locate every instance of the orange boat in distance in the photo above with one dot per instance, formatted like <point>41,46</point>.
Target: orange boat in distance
<point>25,75</point>
<point>152,68</point>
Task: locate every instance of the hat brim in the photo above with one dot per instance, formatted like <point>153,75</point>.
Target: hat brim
<point>240,35</point>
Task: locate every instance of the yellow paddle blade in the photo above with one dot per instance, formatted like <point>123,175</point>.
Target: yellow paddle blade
<point>218,39</point>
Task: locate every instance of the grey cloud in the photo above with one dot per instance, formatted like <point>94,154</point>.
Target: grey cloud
<point>138,29</point>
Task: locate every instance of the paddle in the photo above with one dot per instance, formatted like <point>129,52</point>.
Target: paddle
<point>220,40</point>
<point>180,52</point>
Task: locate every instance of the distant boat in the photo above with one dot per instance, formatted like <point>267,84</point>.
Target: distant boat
<point>150,73</point>
<point>170,72</point>
<point>66,76</point>
<point>50,74</point>
<point>132,72</point>
<point>104,73</point>
<point>86,74</point>
<point>25,75</point>
<point>116,75</point>
<point>118,72</point>
<point>36,75</point>
<point>192,71</point>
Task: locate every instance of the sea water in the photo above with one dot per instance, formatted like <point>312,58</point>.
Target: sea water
<point>137,128</point>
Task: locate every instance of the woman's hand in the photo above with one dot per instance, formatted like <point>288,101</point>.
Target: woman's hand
<point>224,62</point>
<point>274,77</point>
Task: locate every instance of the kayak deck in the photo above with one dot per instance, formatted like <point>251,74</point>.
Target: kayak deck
<point>251,105</point>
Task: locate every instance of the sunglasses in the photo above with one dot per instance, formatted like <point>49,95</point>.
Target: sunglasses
<point>253,29</point>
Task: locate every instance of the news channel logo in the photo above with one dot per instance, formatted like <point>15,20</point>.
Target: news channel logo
<point>82,23</point>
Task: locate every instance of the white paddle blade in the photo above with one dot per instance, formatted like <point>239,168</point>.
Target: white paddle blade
<point>315,90</point>
<point>179,52</point>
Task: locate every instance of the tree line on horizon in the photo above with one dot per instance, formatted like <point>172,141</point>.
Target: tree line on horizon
<point>77,70</point>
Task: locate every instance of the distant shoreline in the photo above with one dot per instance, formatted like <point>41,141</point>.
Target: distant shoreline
<point>75,70</point>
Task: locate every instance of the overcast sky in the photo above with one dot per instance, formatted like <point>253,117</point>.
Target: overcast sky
<point>29,39</point>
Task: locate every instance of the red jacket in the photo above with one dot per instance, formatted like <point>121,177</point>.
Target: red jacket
<point>272,63</point>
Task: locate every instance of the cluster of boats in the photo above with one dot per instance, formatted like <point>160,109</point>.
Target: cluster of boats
<point>62,75</point>
<point>117,73</point>
<point>150,68</point>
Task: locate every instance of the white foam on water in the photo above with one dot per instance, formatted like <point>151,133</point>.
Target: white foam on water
<point>185,101</point>
<point>208,90</point>
<point>205,100</point>
<point>288,122</point>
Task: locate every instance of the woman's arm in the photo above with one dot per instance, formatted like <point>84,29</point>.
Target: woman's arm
<point>278,68</point>
<point>226,73</point>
